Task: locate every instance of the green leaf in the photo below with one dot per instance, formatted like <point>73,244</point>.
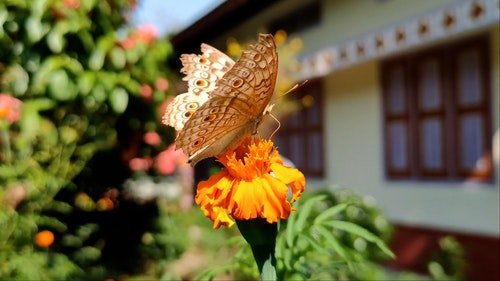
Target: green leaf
<point>99,93</point>
<point>70,240</point>
<point>60,86</point>
<point>51,223</point>
<point>87,40</point>
<point>17,78</point>
<point>38,7</point>
<point>88,5</point>
<point>362,232</point>
<point>118,58</point>
<point>34,29</point>
<point>330,213</point>
<point>96,60</point>
<point>119,100</point>
<point>311,241</point>
<point>87,254</point>
<point>68,134</point>
<point>290,233</point>
<point>287,258</point>
<point>132,55</point>
<point>333,242</point>
<point>45,71</point>
<point>55,40</point>
<point>28,267</point>
<point>86,82</point>
<point>60,206</point>
<point>84,231</point>
<point>305,210</point>
<point>72,65</point>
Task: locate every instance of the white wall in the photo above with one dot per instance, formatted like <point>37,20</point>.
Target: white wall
<point>355,158</point>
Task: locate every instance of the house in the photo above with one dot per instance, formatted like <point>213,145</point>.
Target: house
<point>403,105</point>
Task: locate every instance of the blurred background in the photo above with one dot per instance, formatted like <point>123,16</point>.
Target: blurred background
<point>399,118</point>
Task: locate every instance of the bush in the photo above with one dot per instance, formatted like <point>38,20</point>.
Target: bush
<point>76,83</point>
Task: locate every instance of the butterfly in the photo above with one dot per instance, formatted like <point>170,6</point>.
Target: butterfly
<point>226,100</point>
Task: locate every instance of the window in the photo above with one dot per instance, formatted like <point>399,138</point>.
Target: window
<point>437,113</point>
<point>300,137</point>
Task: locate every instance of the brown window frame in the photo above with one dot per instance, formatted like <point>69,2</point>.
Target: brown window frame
<point>446,115</point>
<point>301,127</point>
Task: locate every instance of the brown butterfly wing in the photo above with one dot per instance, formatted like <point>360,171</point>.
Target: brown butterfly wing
<point>236,105</point>
<point>202,73</point>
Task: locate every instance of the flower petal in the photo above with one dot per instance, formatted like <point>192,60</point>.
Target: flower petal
<point>253,184</point>
<point>290,176</point>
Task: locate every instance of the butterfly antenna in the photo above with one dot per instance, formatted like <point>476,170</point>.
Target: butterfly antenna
<point>295,87</point>
<point>279,126</point>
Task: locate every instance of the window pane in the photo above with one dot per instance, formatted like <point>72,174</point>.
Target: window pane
<point>279,142</point>
<point>295,120</point>
<point>431,146</point>
<point>469,82</point>
<point>313,108</point>
<point>429,85</point>
<point>396,94</point>
<point>296,153</point>
<point>315,151</point>
<point>472,140</point>
<point>398,138</point>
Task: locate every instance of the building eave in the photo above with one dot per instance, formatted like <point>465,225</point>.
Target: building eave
<point>223,18</point>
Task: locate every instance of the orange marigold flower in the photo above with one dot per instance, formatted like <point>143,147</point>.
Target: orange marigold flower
<point>253,183</point>
<point>44,238</point>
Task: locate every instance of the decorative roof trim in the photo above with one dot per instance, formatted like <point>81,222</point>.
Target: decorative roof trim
<point>458,18</point>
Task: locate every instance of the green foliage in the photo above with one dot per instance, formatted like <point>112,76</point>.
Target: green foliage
<point>449,262</point>
<point>75,68</point>
<point>336,235</point>
<point>321,241</point>
<point>324,240</point>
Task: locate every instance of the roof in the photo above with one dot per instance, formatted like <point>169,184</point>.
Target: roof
<point>223,18</point>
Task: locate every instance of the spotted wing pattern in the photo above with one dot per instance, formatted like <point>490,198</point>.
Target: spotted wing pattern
<point>202,73</point>
<point>235,107</point>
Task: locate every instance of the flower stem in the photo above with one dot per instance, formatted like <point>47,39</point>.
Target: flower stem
<point>261,236</point>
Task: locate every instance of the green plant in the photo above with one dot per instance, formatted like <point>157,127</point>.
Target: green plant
<point>69,70</point>
<point>449,262</point>
<point>321,241</point>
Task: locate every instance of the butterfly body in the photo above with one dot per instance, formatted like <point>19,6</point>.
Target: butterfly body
<point>236,105</point>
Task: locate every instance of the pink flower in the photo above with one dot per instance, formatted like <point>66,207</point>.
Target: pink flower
<point>127,43</point>
<point>74,4</point>
<point>151,138</point>
<point>145,33</point>
<point>140,164</point>
<point>146,91</point>
<point>161,84</point>
<point>10,108</point>
<point>167,160</point>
